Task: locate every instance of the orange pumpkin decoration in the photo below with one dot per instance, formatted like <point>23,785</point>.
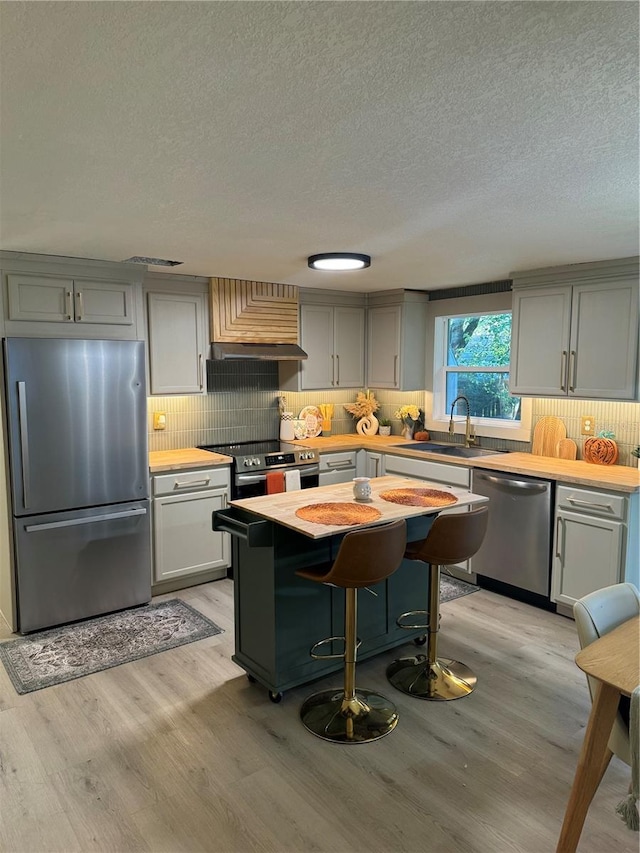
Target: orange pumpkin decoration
<point>423,435</point>
<point>601,451</point>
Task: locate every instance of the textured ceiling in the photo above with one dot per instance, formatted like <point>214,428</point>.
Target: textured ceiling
<point>453,141</point>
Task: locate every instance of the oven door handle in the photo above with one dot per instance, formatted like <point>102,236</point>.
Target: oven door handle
<point>250,479</point>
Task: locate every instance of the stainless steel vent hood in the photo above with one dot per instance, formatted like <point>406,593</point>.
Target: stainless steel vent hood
<point>260,352</point>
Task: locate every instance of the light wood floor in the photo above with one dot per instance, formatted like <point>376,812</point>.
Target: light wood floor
<point>179,752</point>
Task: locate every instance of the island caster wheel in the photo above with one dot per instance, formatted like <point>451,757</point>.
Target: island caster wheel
<point>420,641</point>
<point>251,679</point>
<point>275,697</point>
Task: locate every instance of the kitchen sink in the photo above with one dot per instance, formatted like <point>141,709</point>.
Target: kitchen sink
<point>449,449</point>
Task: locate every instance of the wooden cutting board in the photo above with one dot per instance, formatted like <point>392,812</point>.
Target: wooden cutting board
<point>547,433</point>
<point>566,449</point>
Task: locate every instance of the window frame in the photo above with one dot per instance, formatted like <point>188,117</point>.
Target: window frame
<point>438,419</point>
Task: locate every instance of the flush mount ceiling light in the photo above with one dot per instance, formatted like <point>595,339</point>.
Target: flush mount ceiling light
<point>339,261</point>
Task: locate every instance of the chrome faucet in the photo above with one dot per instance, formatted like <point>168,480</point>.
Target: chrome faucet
<point>469,435</point>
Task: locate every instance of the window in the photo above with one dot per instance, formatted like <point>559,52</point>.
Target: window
<point>471,359</point>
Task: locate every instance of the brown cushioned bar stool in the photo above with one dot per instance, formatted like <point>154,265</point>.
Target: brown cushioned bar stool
<point>451,539</point>
<point>352,715</point>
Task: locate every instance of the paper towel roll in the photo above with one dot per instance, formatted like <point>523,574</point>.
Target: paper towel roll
<point>292,480</point>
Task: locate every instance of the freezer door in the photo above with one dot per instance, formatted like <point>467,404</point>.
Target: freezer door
<point>72,565</point>
<point>77,423</point>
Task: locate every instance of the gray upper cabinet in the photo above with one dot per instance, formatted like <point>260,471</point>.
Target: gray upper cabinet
<point>576,337</point>
<point>177,324</point>
<point>396,340</point>
<point>72,298</point>
<point>65,300</point>
<point>333,336</point>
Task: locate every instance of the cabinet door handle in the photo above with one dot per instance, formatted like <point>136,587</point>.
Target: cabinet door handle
<point>572,370</point>
<point>200,371</point>
<point>79,305</point>
<point>338,465</point>
<point>395,370</point>
<point>559,550</point>
<point>333,370</point>
<point>69,298</point>
<point>192,484</point>
<point>563,370</point>
<point>606,507</point>
<point>338,369</point>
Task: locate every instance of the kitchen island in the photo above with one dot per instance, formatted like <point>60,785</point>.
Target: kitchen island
<point>279,616</point>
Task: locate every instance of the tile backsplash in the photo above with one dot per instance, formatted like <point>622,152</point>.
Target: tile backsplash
<point>242,405</point>
<point>622,419</point>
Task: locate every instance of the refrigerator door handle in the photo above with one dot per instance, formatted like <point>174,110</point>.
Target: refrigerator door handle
<point>90,519</point>
<point>24,442</point>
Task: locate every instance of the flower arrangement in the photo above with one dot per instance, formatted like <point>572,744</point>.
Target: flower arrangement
<point>364,406</point>
<point>408,413</point>
<point>636,452</point>
<point>412,418</point>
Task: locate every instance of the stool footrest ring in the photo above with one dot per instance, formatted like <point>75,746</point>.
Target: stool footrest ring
<point>413,614</point>
<point>325,642</point>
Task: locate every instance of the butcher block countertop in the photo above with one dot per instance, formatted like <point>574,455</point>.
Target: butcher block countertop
<point>282,507</point>
<point>187,457</point>
<point>619,478</point>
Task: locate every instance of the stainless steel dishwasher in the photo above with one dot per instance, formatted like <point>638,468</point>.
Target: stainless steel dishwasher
<point>517,547</point>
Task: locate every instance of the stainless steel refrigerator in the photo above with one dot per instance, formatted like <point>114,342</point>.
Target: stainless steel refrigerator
<point>76,412</point>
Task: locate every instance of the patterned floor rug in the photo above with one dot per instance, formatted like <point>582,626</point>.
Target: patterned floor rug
<point>451,588</point>
<point>62,654</point>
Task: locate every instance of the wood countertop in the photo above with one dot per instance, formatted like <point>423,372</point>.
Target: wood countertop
<point>188,457</point>
<point>619,478</point>
<point>281,508</point>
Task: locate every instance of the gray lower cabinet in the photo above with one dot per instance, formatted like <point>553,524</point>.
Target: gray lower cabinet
<point>337,467</point>
<point>184,545</point>
<point>595,542</point>
<point>279,616</point>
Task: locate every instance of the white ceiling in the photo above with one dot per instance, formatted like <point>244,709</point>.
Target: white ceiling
<point>455,142</point>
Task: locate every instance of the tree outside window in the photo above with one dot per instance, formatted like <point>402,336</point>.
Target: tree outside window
<point>476,364</point>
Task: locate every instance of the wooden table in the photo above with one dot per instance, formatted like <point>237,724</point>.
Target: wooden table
<point>614,660</point>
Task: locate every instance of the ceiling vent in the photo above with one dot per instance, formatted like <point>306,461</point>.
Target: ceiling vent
<point>152,262</point>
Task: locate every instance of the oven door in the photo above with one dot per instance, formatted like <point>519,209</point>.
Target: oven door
<point>255,485</point>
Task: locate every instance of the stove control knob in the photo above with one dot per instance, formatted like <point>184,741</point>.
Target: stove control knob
<point>247,463</point>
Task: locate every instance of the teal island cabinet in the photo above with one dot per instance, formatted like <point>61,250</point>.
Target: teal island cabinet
<point>279,616</point>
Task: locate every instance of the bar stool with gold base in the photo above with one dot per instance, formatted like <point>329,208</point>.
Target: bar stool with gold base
<point>351,715</point>
<point>451,539</point>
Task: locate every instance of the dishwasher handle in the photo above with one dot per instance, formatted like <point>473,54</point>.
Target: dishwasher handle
<point>521,485</point>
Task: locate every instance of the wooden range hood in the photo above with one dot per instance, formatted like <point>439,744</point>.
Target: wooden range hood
<point>254,320</point>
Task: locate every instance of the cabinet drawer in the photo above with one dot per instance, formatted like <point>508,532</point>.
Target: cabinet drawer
<point>190,481</point>
<point>452,475</point>
<point>337,461</point>
<point>603,504</point>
